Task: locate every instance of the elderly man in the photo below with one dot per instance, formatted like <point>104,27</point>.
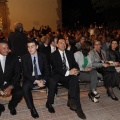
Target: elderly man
<point>9,77</point>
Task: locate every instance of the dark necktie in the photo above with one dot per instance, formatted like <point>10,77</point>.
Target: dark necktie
<point>35,68</point>
<point>64,62</point>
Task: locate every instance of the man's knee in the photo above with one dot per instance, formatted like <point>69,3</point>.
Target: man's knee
<point>52,83</point>
<point>94,72</point>
<point>18,91</point>
<point>75,78</point>
<point>26,87</point>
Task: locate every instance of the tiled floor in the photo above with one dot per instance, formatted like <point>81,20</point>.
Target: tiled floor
<point>106,109</point>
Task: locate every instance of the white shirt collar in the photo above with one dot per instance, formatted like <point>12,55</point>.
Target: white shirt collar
<point>2,57</point>
<point>35,55</point>
<point>45,45</point>
<point>61,51</point>
<point>52,47</point>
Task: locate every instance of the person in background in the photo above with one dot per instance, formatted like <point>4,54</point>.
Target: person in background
<point>113,53</point>
<point>17,40</point>
<point>106,43</point>
<point>78,44</point>
<point>70,42</point>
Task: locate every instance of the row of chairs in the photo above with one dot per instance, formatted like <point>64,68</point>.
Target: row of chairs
<point>83,84</point>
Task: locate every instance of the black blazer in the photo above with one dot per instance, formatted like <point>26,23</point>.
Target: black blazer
<point>113,55</point>
<point>56,62</point>
<point>12,71</point>
<point>46,51</point>
<point>17,42</point>
<point>73,49</point>
<point>28,67</point>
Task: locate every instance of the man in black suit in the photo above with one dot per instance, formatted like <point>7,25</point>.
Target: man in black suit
<point>64,70</point>
<point>53,44</point>
<point>48,47</point>
<point>9,77</point>
<point>35,72</point>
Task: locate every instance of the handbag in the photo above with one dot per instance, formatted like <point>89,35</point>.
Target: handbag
<point>109,69</point>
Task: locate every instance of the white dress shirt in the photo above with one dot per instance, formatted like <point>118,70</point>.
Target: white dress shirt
<point>67,64</point>
<point>53,49</point>
<point>2,60</point>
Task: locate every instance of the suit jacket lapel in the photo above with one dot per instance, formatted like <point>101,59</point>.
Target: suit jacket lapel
<point>40,62</point>
<point>7,63</point>
<point>30,63</point>
<point>59,57</point>
<point>1,71</point>
<point>68,58</point>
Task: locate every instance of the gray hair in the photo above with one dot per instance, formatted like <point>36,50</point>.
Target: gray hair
<point>18,26</point>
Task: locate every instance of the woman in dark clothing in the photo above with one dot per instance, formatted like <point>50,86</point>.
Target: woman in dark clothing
<point>70,41</point>
<point>113,53</point>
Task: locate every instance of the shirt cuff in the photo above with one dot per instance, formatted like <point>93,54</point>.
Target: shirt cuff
<point>67,73</point>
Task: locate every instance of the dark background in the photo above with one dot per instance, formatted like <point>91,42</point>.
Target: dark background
<point>85,12</point>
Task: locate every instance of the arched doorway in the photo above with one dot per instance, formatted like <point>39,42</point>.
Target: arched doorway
<point>4,19</point>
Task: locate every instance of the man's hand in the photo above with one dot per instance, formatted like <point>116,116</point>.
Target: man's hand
<point>8,90</point>
<point>40,83</point>
<point>116,64</point>
<point>74,71</point>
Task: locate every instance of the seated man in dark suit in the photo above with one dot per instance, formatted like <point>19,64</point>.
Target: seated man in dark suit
<point>64,70</point>
<point>35,72</point>
<point>9,77</point>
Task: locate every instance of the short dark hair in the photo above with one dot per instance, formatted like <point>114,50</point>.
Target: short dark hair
<point>71,40</point>
<point>52,39</point>
<point>3,41</point>
<point>85,48</point>
<point>59,38</point>
<point>110,47</point>
<point>32,40</point>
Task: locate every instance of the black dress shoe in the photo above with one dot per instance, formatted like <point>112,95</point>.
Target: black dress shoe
<point>113,97</point>
<point>50,107</point>
<point>71,103</point>
<point>13,111</point>
<point>2,109</point>
<point>34,113</point>
<point>80,113</point>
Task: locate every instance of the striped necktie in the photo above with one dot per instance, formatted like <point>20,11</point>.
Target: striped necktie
<point>64,62</point>
<point>35,68</point>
